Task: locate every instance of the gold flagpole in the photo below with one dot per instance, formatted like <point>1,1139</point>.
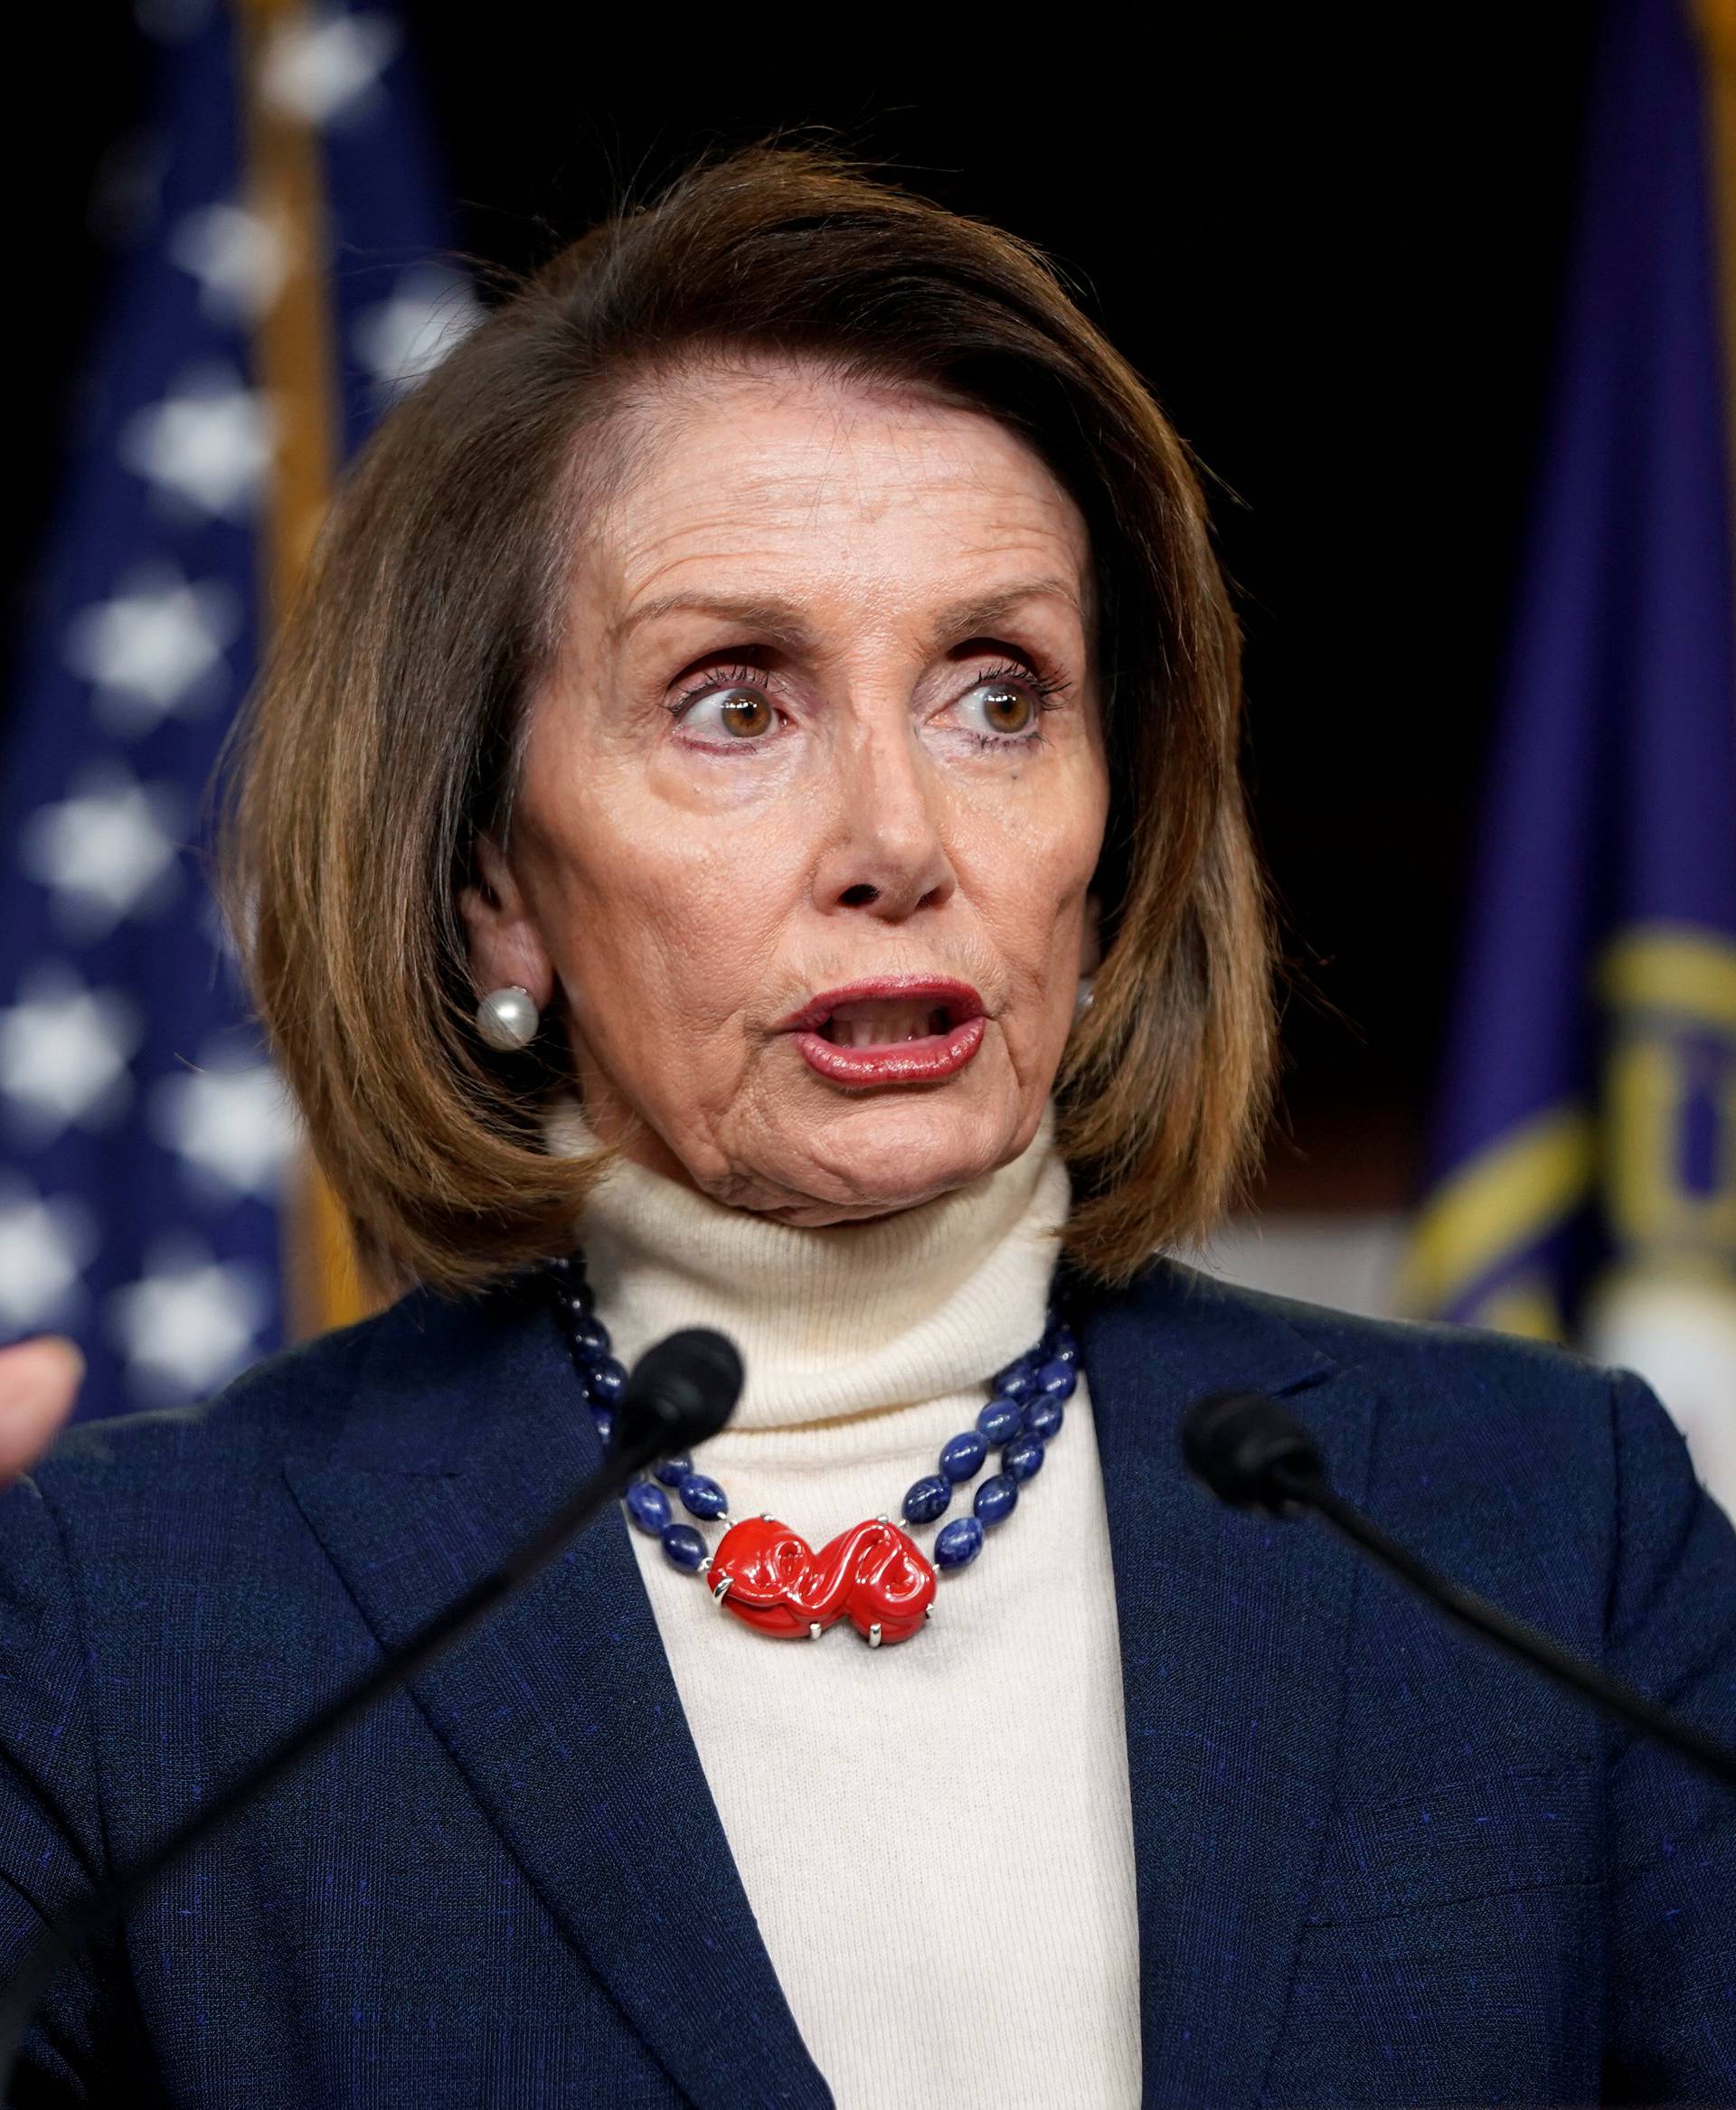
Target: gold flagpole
<point>294,371</point>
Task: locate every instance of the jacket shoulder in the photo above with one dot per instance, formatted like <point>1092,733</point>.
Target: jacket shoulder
<point>1407,1353</point>
<point>1222,1324</point>
<point>1456,1391</point>
<point>304,1398</point>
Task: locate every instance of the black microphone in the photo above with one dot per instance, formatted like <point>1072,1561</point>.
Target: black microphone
<point>681,1391</point>
<point>1254,1454</point>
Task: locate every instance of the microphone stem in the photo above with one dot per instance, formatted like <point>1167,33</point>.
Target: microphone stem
<point>1467,1609</point>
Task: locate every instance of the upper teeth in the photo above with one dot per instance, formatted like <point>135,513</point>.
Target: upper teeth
<point>873,1025</point>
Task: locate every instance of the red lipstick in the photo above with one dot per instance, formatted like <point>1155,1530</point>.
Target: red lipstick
<point>895,1029</point>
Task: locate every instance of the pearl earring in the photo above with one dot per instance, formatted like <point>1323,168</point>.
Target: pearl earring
<point>1082,1002</point>
<point>507,1018</point>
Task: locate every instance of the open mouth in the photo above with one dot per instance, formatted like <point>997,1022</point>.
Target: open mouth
<point>883,1024</point>
<point>899,1031</point>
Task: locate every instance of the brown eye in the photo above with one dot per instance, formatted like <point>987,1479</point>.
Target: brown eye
<point>1006,710</point>
<point>745,714</point>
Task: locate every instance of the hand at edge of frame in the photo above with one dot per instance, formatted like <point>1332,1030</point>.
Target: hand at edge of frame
<point>39,1380</point>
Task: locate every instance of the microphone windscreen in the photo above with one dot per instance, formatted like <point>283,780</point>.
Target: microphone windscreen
<point>681,1390</point>
<point>1249,1450</point>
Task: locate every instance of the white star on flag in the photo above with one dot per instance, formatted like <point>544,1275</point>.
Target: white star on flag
<point>156,650</point>
<point>327,69</point>
<point>240,259</point>
<point>43,1247</point>
<point>188,1323</point>
<point>109,852</point>
<point>405,338</point>
<point>64,1049</point>
<point>232,1127</point>
<point>205,447</point>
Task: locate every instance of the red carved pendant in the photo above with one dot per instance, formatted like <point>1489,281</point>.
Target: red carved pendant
<point>873,1575</point>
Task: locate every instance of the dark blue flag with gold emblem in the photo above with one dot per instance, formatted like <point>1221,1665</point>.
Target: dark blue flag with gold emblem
<point>283,284</point>
<point>1584,1165</point>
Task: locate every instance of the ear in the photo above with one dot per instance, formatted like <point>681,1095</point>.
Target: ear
<point>1091,941</point>
<point>506,948</point>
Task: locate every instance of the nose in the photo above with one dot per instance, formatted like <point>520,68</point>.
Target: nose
<point>885,854</point>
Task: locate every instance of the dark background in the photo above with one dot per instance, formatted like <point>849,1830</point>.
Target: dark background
<point>1336,255</point>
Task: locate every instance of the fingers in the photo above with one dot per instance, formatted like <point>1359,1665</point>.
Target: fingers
<point>39,1380</point>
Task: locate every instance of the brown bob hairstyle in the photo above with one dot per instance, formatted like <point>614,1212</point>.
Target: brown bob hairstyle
<point>383,735</point>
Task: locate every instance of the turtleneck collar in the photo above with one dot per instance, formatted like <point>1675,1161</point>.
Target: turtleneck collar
<point>844,1321</point>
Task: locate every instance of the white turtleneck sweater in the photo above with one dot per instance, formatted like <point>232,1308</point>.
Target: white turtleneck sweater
<point>935,1837</point>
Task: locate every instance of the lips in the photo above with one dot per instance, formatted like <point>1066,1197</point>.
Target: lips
<point>901,1029</point>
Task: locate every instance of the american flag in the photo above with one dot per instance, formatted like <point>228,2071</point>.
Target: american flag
<point>286,282</point>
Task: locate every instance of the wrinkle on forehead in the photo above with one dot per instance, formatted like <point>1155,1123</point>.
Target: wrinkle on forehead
<point>667,410</point>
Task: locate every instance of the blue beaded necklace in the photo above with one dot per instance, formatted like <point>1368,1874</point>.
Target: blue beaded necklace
<point>874,1575</point>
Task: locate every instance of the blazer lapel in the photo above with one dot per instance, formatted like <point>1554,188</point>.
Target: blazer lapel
<point>1233,1630</point>
<point>561,1709</point>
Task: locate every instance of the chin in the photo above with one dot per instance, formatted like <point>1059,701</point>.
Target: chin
<point>897,1149</point>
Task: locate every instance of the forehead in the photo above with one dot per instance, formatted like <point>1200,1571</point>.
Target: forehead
<point>785,474</point>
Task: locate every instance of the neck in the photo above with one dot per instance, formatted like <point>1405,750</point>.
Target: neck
<point>838,1322</point>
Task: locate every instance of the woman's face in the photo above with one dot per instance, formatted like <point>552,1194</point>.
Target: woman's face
<point>809,810</point>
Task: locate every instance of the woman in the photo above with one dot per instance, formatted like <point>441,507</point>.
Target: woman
<point>749,796</point>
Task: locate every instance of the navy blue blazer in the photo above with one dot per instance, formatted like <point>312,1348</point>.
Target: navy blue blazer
<point>1377,1863</point>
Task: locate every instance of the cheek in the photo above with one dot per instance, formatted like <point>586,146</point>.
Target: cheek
<point>667,920</point>
<point>1029,879</point>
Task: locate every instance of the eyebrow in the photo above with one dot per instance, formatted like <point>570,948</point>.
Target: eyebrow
<point>780,621</point>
